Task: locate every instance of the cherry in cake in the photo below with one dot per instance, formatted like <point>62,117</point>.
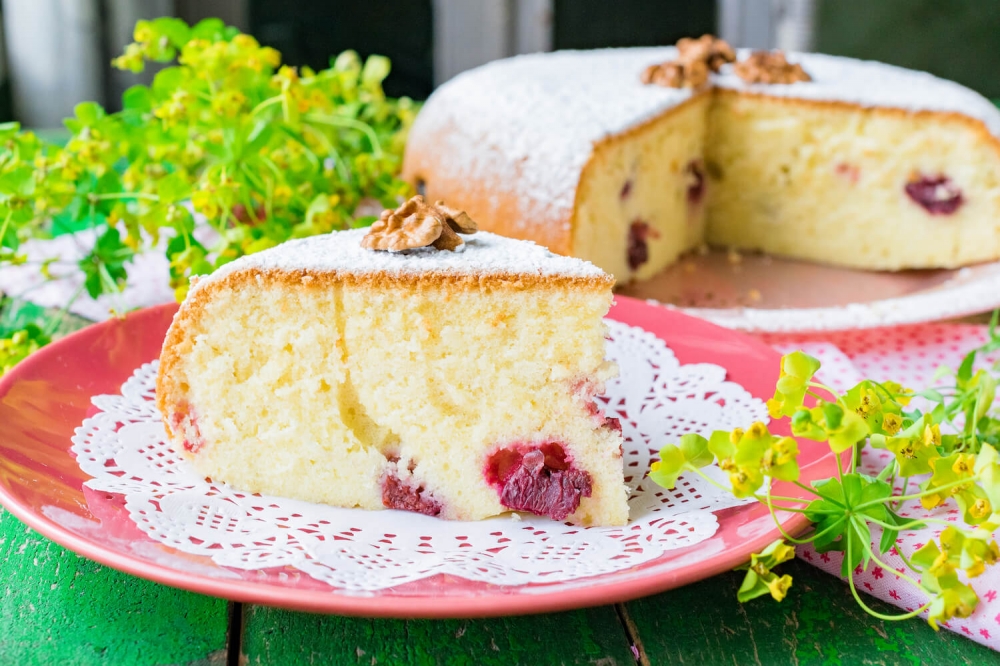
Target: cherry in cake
<point>938,195</point>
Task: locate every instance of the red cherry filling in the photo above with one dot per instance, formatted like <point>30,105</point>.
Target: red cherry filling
<point>639,234</point>
<point>537,479</point>
<point>937,194</point>
<point>696,182</point>
<point>848,171</point>
<point>626,190</point>
<point>399,494</point>
<point>183,421</point>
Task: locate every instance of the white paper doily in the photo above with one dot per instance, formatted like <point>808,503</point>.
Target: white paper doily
<point>123,448</point>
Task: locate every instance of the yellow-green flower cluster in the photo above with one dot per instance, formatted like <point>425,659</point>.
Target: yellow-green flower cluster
<point>952,447</point>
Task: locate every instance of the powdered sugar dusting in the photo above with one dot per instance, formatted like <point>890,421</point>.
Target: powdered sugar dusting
<point>872,84</point>
<point>528,124</point>
<point>482,254</point>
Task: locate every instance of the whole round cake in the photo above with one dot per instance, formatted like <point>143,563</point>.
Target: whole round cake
<point>403,367</point>
<point>630,157</point>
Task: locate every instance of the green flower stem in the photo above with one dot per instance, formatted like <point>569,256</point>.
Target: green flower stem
<point>122,195</point>
<point>111,287</point>
<point>252,177</point>
<point>338,161</point>
<point>824,387</point>
<point>831,528</point>
<point>712,481</point>
<point>349,123</point>
<point>786,535</point>
<point>6,225</point>
<point>874,558</point>
<point>777,523</point>
<point>872,611</point>
<point>729,491</point>
<point>271,101</point>
<point>812,491</point>
<point>910,525</point>
<point>792,509</point>
<point>906,560</point>
<point>815,395</point>
<point>933,491</point>
<point>906,484</point>
<point>840,468</point>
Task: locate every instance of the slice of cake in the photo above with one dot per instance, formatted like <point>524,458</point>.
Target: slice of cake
<point>629,157</point>
<point>402,367</point>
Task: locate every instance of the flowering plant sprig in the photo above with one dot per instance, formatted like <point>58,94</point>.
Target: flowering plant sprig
<point>948,453</point>
<point>226,153</point>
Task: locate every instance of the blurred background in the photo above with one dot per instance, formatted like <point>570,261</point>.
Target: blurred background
<point>55,53</point>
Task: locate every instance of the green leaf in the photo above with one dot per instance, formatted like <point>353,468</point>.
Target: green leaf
<point>987,391</point>
<point>174,29</point>
<point>375,70</point>
<point>829,527</point>
<point>932,395</point>
<point>852,430</point>
<point>965,369</point>
<point>173,188</point>
<point>209,29</point>
<point>720,445</point>
<point>8,131</point>
<point>104,266</point>
<point>668,468</point>
<point>695,449</point>
<point>853,489</point>
<point>88,113</point>
<point>348,61</point>
<point>858,536</point>
<point>18,181</point>
<point>800,364</point>
<point>834,415</point>
<point>830,489</point>
<point>889,536</point>
<point>167,80</point>
<point>138,98</point>
<point>926,555</point>
<point>987,468</point>
<point>752,587</point>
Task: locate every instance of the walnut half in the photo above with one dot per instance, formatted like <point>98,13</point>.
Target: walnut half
<point>695,59</point>
<point>770,67</point>
<point>417,224</point>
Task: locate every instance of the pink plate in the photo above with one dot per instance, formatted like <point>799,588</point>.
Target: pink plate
<point>44,398</point>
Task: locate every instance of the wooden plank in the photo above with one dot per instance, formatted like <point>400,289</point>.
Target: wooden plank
<point>594,637</point>
<point>818,623</point>
<point>59,608</point>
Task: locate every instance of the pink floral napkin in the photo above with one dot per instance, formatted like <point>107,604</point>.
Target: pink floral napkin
<point>909,355</point>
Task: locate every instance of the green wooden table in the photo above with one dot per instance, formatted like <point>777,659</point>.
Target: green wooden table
<point>59,608</point>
